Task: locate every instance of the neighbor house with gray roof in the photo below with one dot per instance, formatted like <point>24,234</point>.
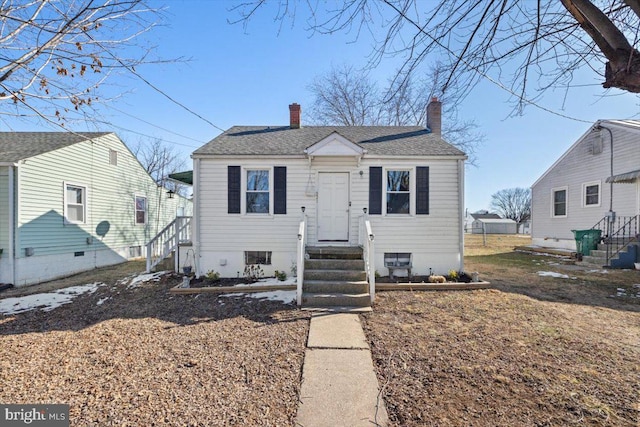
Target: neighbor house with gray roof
<point>71,202</point>
<point>593,185</point>
<point>259,191</point>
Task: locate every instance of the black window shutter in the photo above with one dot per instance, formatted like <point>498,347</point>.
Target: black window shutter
<point>233,189</point>
<point>422,190</point>
<point>280,190</point>
<point>375,190</point>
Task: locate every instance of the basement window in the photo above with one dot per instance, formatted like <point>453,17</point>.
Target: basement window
<point>257,257</point>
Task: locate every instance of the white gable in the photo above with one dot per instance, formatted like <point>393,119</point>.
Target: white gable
<point>335,145</point>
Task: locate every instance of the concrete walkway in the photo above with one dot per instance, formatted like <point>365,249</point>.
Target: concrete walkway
<point>339,385</point>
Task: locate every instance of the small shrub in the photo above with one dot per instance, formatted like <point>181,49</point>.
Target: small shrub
<point>212,276</point>
<point>281,275</point>
<point>453,275</point>
<point>253,273</point>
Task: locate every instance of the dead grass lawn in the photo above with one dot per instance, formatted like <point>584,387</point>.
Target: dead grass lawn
<point>534,351</point>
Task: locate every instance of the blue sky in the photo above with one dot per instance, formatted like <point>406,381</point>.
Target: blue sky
<point>238,77</point>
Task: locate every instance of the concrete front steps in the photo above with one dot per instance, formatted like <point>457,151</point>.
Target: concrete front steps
<point>335,279</point>
<point>598,257</point>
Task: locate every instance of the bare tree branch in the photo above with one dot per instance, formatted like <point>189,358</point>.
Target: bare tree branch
<point>529,46</point>
<point>63,50</point>
<point>348,97</point>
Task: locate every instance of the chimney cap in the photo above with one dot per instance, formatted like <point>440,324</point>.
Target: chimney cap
<point>434,99</point>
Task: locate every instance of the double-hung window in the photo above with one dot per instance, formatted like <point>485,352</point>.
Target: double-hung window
<point>398,191</point>
<point>75,204</point>
<point>257,193</point>
<point>559,206</point>
<point>591,194</point>
<point>141,210</point>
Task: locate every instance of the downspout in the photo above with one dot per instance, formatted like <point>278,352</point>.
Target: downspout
<point>600,127</point>
<point>195,226</point>
<point>12,224</point>
<point>461,212</point>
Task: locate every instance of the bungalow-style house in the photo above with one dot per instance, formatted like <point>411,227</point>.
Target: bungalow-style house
<point>70,202</point>
<point>593,186</point>
<point>259,191</point>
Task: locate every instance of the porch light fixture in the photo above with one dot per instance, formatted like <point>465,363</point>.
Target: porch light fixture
<point>171,193</point>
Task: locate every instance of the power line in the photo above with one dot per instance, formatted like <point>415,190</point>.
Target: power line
<point>154,87</point>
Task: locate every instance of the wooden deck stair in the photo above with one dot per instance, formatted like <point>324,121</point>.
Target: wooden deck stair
<point>335,278</point>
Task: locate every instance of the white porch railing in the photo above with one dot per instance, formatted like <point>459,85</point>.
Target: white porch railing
<point>167,240</point>
<point>302,241</point>
<point>365,239</point>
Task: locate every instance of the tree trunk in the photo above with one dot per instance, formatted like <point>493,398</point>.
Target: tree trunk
<point>623,69</point>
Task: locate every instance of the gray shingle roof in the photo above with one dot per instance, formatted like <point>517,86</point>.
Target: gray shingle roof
<point>15,146</point>
<point>282,140</point>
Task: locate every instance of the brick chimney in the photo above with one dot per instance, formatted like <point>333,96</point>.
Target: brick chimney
<point>434,116</point>
<point>294,115</point>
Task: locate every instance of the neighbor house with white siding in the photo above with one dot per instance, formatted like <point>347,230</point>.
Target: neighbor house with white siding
<point>593,185</point>
<point>260,190</point>
<point>70,202</point>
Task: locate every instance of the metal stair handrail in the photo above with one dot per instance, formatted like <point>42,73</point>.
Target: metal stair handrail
<point>300,258</point>
<point>167,240</point>
<point>366,240</point>
<point>622,236</point>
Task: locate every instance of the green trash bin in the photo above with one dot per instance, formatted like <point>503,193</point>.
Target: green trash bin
<point>586,240</point>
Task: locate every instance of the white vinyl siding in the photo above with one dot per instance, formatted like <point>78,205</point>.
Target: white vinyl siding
<point>576,167</point>
<point>434,239</point>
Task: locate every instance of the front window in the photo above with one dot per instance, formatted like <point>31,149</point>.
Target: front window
<point>141,210</point>
<point>398,191</point>
<point>560,202</point>
<point>257,191</point>
<point>592,194</point>
<point>75,203</point>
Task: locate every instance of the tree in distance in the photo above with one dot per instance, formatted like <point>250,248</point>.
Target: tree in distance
<point>347,96</point>
<point>513,203</point>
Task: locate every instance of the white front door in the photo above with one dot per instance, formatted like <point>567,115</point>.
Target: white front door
<point>333,206</point>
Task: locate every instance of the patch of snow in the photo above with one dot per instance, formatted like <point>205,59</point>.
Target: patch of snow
<point>272,281</point>
<point>45,301</point>
<point>283,296</point>
<point>102,300</point>
<point>146,277</point>
<point>554,274</point>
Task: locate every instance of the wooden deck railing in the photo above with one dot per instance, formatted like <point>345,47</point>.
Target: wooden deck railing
<point>176,232</point>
